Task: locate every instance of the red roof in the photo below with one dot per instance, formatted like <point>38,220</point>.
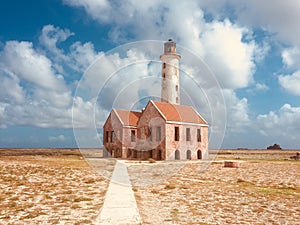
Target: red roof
<point>172,113</point>
<point>128,118</point>
<point>179,113</point>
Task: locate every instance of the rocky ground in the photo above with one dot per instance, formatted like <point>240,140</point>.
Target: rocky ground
<point>261,191</point>
<point>48,187</point>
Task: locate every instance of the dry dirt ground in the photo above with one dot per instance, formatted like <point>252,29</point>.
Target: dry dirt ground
<point>265,189</point>
<point>51,187</point>
<point>59,187</point>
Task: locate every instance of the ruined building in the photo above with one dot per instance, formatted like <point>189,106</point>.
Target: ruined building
<point>163,130</point>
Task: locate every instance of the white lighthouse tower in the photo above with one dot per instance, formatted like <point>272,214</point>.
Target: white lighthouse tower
<point>170,73</point>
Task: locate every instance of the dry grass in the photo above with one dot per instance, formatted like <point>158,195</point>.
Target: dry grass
<point>42,187</point>
<point>264,190</point>
<point>50,188</point>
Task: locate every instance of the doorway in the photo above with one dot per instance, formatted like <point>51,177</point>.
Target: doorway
<point>199,154</point>
<point>188,154</point>
<point>177,155</point>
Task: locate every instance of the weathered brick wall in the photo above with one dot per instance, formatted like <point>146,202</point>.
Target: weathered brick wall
<point>127,143</point>
<point>151,118</point>
<point>204,143</point>
<point>113,124</point>
<point>183,145</point>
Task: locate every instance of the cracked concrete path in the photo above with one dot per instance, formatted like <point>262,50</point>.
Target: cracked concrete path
<point>119,206</point>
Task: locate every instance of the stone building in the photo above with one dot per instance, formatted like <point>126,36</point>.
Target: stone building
<point>163,130</point>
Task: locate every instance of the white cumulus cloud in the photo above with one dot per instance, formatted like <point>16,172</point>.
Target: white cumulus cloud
<point>23,61</point>
<point>291,83</point>
<point>283,124</point>
<point>291,57</point>
<point>98,9</point>
<point>237,112</point>
<point>51,36</point>
<point>280,18</point>
<point>33,89</point>
<point>230,58</point>
<point>79,55</point>
<point>82,55</point>
<point>11,91</point>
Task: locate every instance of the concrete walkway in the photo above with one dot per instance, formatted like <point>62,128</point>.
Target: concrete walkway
<point>119,205</point>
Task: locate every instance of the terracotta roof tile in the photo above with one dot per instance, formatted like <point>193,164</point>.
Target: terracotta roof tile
<point>128,118</point>
<point>179,113</point>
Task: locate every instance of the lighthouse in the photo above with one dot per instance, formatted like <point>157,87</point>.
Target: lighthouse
<point>170,91</point>
<point>163,130</point>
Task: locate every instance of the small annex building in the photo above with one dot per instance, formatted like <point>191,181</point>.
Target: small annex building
<point>163,130</point>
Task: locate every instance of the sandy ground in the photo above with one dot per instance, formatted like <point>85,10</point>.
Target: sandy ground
<point>263,190</point>
<point>48,187</point>
<point>55,189</point>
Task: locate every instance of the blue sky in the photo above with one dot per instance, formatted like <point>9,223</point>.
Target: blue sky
<point>47,46</point>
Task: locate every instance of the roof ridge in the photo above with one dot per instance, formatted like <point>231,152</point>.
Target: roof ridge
<point>160,112</point>
<point>128,110</point>
<point>118,116</point>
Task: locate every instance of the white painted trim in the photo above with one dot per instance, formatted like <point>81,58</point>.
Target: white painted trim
<point>106,120</point>
<point>158,110</point>
<point>115,111</point>
<point>126,126</point>
<point>200,115</point>
<point>186,123</point>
